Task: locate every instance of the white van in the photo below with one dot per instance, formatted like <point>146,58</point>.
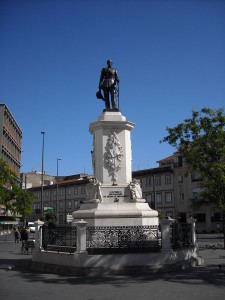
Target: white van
<point>31,227</point>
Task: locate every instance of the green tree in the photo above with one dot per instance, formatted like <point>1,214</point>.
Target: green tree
<point>201,141</point>
<point>50,217</point>
<point>12,197</point>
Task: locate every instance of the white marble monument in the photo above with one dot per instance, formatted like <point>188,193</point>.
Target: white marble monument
<point>112,197</point>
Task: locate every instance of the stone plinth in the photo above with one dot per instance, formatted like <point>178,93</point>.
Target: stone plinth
<point>117,214</point>
<point>111,156</point>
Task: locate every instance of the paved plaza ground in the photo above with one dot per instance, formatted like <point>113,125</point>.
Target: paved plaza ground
<point>203,282</point>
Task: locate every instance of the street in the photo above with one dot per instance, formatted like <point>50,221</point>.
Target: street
<point>18,282</point>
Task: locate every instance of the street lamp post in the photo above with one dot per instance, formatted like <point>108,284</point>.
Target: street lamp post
<point>57,186</point>
<point>42,173</point>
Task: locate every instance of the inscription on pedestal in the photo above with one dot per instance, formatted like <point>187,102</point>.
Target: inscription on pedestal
<point>115,196</point>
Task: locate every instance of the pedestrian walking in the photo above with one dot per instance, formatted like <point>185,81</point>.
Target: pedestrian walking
<point>17,235</point>
<point>218,228</point>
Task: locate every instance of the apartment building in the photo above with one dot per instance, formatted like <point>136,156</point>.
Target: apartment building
<point>158,189</point>
<point>172,193</point>
<point>10,152</point>
<point>63,197</point>
<point>10,140</point>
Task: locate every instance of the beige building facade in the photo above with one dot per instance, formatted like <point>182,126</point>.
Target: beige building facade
<point>172,193</point>
<point>63,197</point>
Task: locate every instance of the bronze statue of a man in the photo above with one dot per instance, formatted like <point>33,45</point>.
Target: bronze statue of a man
<point>107,83</point>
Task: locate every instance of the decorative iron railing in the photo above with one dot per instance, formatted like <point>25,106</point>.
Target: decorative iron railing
<point>180,235</point>
<point>115,239</point>
<point>60,238</point>
<point>111,239</point>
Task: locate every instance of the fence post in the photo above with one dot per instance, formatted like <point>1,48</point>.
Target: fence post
<point>38,234</point>
<point>81,236</point>
<point>192,221</point>
<point>165,229</point>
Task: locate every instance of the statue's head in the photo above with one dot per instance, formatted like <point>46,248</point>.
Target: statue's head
<point>109,62</point>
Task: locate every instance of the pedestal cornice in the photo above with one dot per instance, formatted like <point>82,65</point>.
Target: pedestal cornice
<point>111,120</point>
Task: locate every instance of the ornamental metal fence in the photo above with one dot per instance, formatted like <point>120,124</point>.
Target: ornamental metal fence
<point>123,239</point>
<point>115,239</point>
<point>180,235</point>
<point>60,238</point>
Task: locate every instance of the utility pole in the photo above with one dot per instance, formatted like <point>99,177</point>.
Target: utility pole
<point>42,173</point>
<point>57,187</point>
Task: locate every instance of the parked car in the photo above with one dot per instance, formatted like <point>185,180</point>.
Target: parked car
<point>31,227</point>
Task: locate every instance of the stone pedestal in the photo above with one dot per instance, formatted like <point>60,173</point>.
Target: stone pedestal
<point>111,154</point>
<point>192,221</point>
<point>38,235</point>
<point>113,199</point>
<point>165,229</point>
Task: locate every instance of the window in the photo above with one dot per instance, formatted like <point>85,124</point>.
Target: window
<point>168,197</point>
<point>47,193</point>
<point>180,178</point>
<point>181,196</point>
<point>196,193</point>
<point>149,200</point>
<point>180,161</point>
<point>200,217</point>
<point>60,205</point>
<point>148,181</point>
<point>34,207</point>
<point>158,180</point>
<point>69,205</point>
<point>61,192</point>
<point>75,191</point>
<point>69,191</point>
<point>83,189</point>
<point>158,198</point>
<point>54,193</point>
<point>76,204</point>
<point>195,177</point>
<point>168,179</point>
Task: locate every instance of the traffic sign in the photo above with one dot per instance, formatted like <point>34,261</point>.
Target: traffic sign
<point>69,218</point>
<point>48,208</point>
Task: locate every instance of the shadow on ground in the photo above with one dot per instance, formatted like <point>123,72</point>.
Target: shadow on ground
<point>210,275</point>
<point>19,265</point>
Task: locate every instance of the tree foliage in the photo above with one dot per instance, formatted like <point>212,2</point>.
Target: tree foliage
<point>12,197</point>
<point>201,141</point>
<point>50,217</point>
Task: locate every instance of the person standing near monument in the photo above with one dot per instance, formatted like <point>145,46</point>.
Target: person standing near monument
<point>218,228</point>
<point>107,83</point>
<point>24,238</point>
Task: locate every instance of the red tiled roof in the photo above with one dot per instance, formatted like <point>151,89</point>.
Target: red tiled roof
<point>167,159</point>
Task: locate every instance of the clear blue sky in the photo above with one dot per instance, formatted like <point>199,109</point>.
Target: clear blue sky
<point>170,57</point>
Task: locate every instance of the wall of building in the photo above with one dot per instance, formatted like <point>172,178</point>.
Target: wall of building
<point>63,198</point>
<point>34,179</point>
<point>10,140</point>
